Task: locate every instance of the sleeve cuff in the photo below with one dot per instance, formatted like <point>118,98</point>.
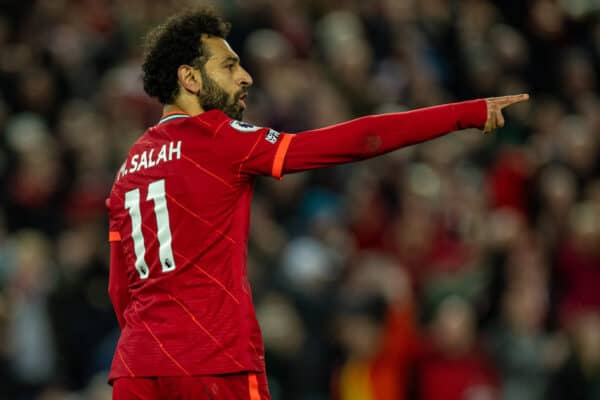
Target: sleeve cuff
<point>474,114</point>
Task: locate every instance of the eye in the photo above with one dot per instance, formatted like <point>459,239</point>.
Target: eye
<point>230,66</point>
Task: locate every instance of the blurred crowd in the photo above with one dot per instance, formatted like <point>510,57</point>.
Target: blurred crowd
<point>466,268</point>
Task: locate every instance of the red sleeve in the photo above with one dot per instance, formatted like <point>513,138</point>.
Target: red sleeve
<point>378,134</point>
<point>254,150</point>
<point>118,290</point>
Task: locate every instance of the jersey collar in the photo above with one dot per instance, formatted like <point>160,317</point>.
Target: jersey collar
<point>172,115</point>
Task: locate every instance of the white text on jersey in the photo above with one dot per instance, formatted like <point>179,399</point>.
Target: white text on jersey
<point>151,158</point>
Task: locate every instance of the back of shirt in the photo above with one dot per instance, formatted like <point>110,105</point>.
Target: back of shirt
<point>179,216</point>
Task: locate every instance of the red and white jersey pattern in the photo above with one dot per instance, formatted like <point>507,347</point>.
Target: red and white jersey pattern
<point>179,215</point>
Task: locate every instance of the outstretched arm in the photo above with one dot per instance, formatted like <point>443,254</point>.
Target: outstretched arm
<point>378,134</point>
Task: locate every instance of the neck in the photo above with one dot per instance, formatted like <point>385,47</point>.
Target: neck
<point>186,106</point>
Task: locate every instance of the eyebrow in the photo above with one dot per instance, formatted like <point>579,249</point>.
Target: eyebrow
<point>232,59</point>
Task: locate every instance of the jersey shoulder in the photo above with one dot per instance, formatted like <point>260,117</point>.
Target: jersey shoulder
<point>213,123</point>
<point>202,125</point>
<point>220,124</point>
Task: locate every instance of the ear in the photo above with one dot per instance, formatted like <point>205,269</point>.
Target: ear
<point>189,79</point>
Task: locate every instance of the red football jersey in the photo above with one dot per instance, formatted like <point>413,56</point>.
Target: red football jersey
<point>179,215</point>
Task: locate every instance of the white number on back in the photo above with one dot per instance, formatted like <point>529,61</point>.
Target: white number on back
<point>156,193</point>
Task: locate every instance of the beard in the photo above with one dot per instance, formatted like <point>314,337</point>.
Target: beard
<point>213,97</point>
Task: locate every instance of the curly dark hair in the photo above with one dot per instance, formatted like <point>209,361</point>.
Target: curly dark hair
<point>175,42</point>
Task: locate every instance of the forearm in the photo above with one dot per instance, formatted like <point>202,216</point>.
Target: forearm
<point>378,134</point>
<point>119,299</point>
<point>117,285</point>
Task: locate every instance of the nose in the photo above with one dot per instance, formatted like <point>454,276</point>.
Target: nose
<point>245,78</point>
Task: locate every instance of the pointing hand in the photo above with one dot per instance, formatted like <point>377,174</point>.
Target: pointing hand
<point>495,119</point>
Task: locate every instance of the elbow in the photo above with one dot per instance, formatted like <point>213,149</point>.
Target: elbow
<point>113,292</point>
<point>372,144</point>
<point>118,296</point>
<point>114,298</point>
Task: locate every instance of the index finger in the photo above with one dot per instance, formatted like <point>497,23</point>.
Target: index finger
<point>517,98</point>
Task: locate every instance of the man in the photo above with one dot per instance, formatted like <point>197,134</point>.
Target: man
<point>179,212</point>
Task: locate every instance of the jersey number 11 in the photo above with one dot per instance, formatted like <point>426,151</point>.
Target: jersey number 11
<point>156,193</point>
